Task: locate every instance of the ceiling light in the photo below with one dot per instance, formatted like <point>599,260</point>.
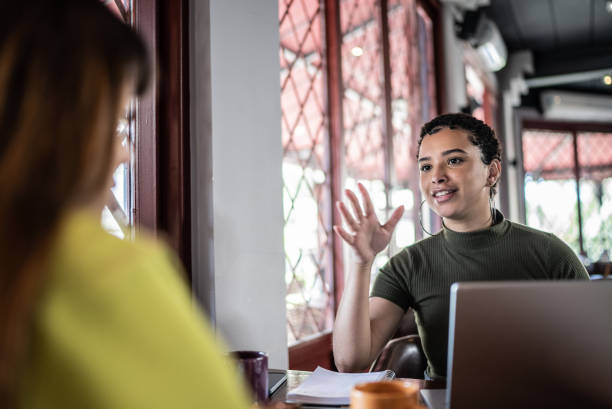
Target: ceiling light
<point>607,79</point>
<point>357,51</point>
<point>609,6</point>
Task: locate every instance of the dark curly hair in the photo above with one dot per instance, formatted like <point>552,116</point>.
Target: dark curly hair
<point>479,133</point>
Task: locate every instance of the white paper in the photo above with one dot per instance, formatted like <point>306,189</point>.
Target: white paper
<point>332,388</point>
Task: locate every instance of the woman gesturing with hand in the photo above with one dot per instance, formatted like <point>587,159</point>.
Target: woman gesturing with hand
<point>459,164</point>
<point>363,326</point>
<point>369,237</point>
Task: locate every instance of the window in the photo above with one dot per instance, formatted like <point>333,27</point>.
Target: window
<point>306,187</point>
<point>357,82</point>
<point>568,185</point>
<point>117,216</point>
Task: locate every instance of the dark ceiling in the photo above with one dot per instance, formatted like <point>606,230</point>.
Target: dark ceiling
<point>565,36</point>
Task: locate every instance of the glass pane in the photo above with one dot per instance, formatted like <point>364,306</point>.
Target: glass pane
<point>306,184</point>
<point>409,104</point>
<point>363,80</point>
<point>550,185</point>
<point>117,217</point>
<point>595,159</point>
<point>425,59</point>
<point>362,77</point>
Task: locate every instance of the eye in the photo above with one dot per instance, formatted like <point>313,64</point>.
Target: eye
<point>455,161</point>
<point>425,168</point>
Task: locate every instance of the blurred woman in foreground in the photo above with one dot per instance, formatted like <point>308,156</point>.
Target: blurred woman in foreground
<point>86,320</point>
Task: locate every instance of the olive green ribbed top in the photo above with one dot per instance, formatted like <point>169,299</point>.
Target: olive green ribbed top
<point>420,276</point>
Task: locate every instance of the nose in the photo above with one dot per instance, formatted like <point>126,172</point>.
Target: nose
<point>438,176</point>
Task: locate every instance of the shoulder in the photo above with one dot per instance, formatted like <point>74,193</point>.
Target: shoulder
<point>84,251</point>
<point>561,259</point>
<point>92,269</point>
<point>131,293</point>
<point>534,238</point>
<point>538,240</point>
<point>529,232</point>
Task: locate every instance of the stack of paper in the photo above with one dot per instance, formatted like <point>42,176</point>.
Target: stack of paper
<point>325,387</point>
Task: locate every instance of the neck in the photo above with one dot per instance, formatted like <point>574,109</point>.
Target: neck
<point>483,220</point>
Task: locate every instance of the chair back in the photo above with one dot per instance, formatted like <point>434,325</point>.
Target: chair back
<point>404,356</point>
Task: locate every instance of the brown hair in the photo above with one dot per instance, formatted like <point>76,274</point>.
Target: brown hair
<point>63,66</point>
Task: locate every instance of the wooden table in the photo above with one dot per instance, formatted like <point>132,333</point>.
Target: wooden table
<point>294,378</point>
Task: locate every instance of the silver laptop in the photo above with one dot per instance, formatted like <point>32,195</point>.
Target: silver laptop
<point>528,344</point>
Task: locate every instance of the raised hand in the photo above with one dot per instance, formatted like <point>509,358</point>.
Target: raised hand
<point>367,236</point>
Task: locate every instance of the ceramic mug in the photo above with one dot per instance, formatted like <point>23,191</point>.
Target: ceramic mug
<point>394,394</point>
<point>253,366</point>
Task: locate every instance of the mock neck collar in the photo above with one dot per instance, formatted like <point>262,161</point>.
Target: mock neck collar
<point>474,240</point>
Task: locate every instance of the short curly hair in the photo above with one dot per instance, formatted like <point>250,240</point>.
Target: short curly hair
<point>479,133</point>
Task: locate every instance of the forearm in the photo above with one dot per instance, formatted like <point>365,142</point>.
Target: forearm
<point>352,333</point>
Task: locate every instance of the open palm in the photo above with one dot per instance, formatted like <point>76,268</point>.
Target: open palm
<point>367,236</point>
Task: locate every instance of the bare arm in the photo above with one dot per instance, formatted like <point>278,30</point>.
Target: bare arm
<point>363,326</point>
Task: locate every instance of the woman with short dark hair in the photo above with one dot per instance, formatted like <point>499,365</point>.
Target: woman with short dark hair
<point>459,161</point>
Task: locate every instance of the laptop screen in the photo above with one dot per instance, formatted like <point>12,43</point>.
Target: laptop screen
<point>530,344</point>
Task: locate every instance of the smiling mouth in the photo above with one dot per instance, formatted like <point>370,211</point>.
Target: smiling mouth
<point>443,195</point>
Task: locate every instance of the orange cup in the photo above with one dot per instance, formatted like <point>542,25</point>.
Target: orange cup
<point>385,395</point>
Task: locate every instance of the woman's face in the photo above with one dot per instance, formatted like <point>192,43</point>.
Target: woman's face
<point>454,180</point>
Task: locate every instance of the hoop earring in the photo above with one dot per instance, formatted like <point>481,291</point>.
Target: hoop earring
<point>421,218</point>
<point>492,210</point>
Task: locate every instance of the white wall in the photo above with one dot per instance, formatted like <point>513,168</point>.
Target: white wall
<point>246,218</point>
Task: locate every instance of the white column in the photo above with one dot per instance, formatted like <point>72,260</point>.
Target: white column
<point>242,121</point>
<point>455,94</point>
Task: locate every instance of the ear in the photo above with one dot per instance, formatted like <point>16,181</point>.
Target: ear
<point>494,172</point>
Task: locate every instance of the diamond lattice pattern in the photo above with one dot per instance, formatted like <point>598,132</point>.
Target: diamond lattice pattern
<point>551,191</point>
<point>306,187</point>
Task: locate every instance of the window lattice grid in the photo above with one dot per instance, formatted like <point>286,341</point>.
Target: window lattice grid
<point>425,58</point>
<point>406,110</point>
<point>548,162</point>
<point>405,95</point>
<point>595,155</point>
<point>363,99</point>
<point>306,171</point>
<point>362,106</point>
<point>551,198</point>
<point>548,154</point>
<point>306,184</point>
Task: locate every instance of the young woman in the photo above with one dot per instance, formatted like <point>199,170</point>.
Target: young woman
<point>86,320</point>
<point>459,165</point>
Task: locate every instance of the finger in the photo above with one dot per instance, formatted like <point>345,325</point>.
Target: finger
<point>395,217</point>
<point>355,203</point>
<point>345,236</point>
<point>367,202</point>
<point>348,217</point>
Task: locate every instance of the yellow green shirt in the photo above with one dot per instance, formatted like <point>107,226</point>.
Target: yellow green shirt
<point>116,328</point>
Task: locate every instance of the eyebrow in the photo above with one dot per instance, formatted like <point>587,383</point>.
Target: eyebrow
<point>448,152</point>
